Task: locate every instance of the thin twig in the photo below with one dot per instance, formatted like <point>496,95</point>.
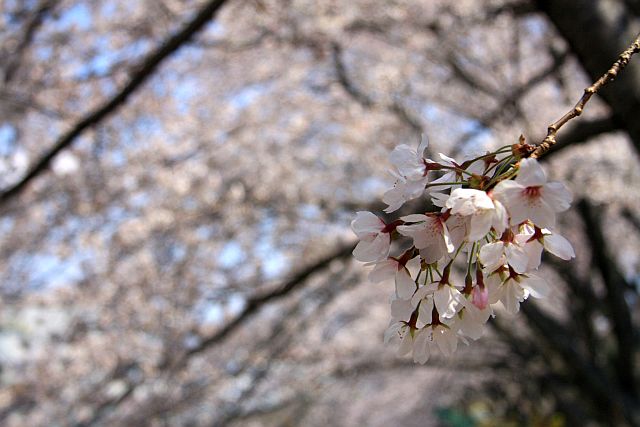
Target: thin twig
<point>550,140</point>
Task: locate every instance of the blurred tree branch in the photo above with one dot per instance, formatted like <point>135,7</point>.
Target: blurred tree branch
<point>146,69</point>
<point>616,286</point>
<point>31,28</point>
<point>252,306</point>
<point>395,107</point>
<point>508,100</point>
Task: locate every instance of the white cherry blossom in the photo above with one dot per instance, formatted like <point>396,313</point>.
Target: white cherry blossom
<point>411,173</point>
<point>497,254</point>
<point>409,163</point>
<point>422,345</point>
<point>484,213</point>
<point>403,190</point>
<point>375,240</point>
<point>515,289</point>
<point>500,234</point>
<point>534,240</point>
<point>429,338</point>
<point>402,331</point>
<point>430,235</point>
<point>445,338</point>
<point>470,320</point>
<point>458,227</point>
<point>529,196</point>
<point>445,297</point>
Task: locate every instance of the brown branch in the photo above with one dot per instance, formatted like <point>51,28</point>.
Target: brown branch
<point>148,66</point>
<point>618,66</point>
<point>583,131</point>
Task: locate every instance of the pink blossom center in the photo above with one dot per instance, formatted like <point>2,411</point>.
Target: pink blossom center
<point>532,192</point>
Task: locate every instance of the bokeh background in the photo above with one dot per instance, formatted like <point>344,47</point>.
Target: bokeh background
<point>178,178</point>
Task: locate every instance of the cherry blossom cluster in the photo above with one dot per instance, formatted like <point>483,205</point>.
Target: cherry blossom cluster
<point>494,213</point>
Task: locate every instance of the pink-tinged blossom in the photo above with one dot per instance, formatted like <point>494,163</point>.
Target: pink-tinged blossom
<point>401,272</point>
<point>515,289</point>
<point>480,297</point>
<point>430,235</point>
<point>529,196</point>
<point>483,212</point>
<point>374,236</point>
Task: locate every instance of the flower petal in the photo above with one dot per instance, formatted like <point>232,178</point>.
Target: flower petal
<point>559,246</point>
<point>425,312</point>
<point>531,173</point>
<point>512,295</point>
<point>446,340</point>
<point>537,286</point>
<point>447,301</point>
<point>392,331</point>
<point>467,201</point>
<point>373,251</point>
<point>480,225</point>
<point>406,342</point>
<point>500,217</point>
<point>517,258</point>
<point>424,144</point>
<point>384,270</point>
<point>406,160</point>
<point>491,256</point>
<point>366,223</point>
<point>421,346</point>
<point>405,286</point>
<point>414,218</point>
<point>557,195</point>
<point>401,309</point>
